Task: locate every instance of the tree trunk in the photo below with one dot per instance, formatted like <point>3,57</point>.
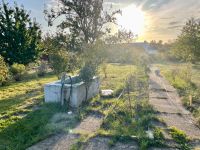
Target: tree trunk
<point>86,94</point>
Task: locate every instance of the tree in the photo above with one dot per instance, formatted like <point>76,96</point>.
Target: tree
<point>85,20</point>
<point>19,35</point>
<point>122,36</point>
<point>59,40</point>
<point>56,50</point>
<point>4,72</point>
<point>59,62</point>
<point>187,46</point>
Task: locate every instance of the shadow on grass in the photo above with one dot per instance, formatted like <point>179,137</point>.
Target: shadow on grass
<point>11,103</point>
<point>30,129</point>
<point>26,81</point>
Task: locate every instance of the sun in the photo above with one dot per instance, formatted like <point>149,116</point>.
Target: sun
<point>132,19</point>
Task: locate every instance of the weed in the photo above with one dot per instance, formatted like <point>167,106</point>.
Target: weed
<point>180,137</point>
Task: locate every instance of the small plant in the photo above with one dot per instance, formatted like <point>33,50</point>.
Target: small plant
<point>59,61</point>
<point>104,69</point>
<point>18,71</point>
<point>180,137</point>
<point>42,69</point>
<point>158,137</point>
<point>88,71</point>
<point>4,72</point>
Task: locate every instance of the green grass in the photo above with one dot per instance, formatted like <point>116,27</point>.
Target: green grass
<point>116,75</point>
<point>124,122</point>
<point>132,118</point>
<point>180,138</point>
<point>25,119</point>
<point>19,99</point>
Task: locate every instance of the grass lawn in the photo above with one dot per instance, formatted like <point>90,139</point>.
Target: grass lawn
<point>24,118</point>
<point>173,66</point>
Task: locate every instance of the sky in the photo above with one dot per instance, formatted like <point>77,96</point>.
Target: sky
<point>150,19</point>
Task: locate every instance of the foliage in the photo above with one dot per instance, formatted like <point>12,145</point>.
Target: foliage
<point>158,136</point>
<point>59,61</point>
<point>180,137</point>
<point>4,72</point>
<point>122,36</point>
<point>19,35</point>
<point>104,67</point>
<point>57,50</point>
<point>84,19</point>
<point>17,71</point>
<point>86,74</point>
<point>124,122</point>
<point>187,45</point>
<point>42,69</point>
<point>88,71</point>
<point>124,53</point>
<point>59,41</point>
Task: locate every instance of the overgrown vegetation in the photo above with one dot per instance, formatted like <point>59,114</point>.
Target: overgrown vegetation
<point>129,117</point>
<point>180,137</point>
<point>4,72</point>
<point>17,70</point>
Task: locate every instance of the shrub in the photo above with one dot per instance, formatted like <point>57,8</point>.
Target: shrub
<point>180,137</point>
<point>18,71</point>
<point>104,69</point>
<point>59,61</point>
<point>86,74</point>
<point>4,72</point>
<point>42,69</point>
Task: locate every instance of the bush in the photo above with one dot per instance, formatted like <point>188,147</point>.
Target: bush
<point>180,137</point>
<point>42,69</point>
<point>4,72</point>
<point>59,61</point>
<point>86,74</point>
<point>18,71</point>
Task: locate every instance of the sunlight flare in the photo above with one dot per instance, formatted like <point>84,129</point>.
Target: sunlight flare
<point>132,19</point>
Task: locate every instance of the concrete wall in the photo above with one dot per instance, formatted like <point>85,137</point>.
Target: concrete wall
<point>53,92</point>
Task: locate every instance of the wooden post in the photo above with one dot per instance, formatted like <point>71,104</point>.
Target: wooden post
<point>190,100</point>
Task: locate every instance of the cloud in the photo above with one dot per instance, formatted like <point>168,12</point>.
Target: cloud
<point>175,27</point>
<point>174,23</point>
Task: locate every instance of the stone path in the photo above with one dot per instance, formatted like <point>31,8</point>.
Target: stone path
<point>64,141</point>
<point>165,99</point>
<point>102,143</point>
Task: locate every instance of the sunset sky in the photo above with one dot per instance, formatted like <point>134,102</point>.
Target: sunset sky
<point>150,19</point>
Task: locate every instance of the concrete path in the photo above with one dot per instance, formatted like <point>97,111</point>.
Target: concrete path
<point>64,141</point>
<point>166,101</point>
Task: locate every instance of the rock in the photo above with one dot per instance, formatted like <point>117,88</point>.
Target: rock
<point>107,93</point>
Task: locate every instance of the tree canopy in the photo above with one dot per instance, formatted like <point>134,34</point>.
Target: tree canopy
<point>19,35</point>
<point>187,46</point>
<point>85,20</point>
